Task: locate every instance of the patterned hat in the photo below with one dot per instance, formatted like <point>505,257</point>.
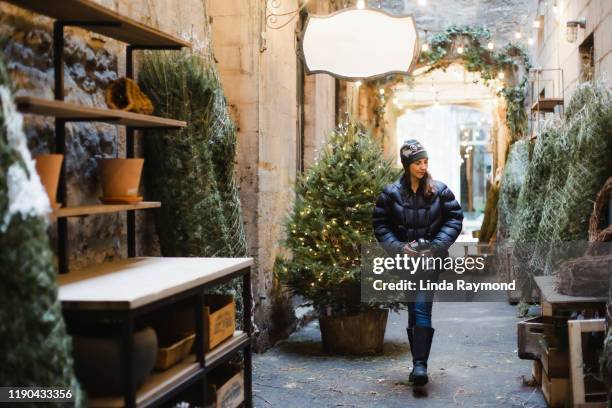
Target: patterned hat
<point>412,151</point>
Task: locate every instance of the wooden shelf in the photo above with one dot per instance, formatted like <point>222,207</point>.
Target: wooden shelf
<point>237,341</point>
<point>134,282</point>
<point>546,104</point>
<point>157,384</point>
<point>78,113</point>
<point>95,209</point>
<point>116,26</point>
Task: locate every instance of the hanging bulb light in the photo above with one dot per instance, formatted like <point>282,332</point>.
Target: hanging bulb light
<point>460,49</point>
<point>530,41</point>
<point>490,45</point>
<point>361,4</point>
<point>357,84</point>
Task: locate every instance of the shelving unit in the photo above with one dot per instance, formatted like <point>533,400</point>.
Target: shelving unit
<point>96,18</point>
<point>127,289</point>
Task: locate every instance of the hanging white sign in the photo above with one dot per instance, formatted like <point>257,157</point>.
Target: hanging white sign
<point>359,44</point>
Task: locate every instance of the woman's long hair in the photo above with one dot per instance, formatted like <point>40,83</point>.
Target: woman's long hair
<point>425,184</point>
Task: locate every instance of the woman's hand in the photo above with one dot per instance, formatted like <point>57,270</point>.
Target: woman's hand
<point>408,249</point>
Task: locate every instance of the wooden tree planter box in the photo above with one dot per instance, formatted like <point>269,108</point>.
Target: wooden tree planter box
<point>555,362</point>
<point>555,390</point>
<point>535,333</point>
<point>219,319</point>
<point>226,388</point>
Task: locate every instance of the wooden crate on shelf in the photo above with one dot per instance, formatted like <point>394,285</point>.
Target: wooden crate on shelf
<point>219,319</point>
<point>172,350</point>
<point>535,333</point>
<point>226,387</point>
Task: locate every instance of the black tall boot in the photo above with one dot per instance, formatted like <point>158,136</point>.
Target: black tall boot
<point>420,344</point>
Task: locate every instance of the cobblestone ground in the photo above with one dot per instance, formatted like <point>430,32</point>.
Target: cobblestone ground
<point>473,363</point>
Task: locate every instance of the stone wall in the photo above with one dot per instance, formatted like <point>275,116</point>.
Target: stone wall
<point>553,49</point>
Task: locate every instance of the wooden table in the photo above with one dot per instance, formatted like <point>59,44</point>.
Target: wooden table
<point>128,288</point>
<point>553,301</point>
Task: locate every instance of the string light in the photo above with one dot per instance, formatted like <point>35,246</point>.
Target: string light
<point>360,4</point>
<point>425,47</point>
<point>490,45</point>
<point>501,75</point>
<point>536,23</point>
<point>381,91</point>
<point>460,49</point>
<point>530,41</point>
<point>518,35</point>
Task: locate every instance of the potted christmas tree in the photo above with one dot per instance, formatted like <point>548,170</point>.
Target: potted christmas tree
<point>330,221</point>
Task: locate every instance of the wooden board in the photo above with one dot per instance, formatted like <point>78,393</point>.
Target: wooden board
<point>130,283</point>
<point>550,295</point>
<point>71,111</point>
<point>555,390</point>
<point>156,384</point>
<point>124,28</point>
<point>575,329</point>
<point>84,210</point>
<point>546,105</point>
<point>222,349</point>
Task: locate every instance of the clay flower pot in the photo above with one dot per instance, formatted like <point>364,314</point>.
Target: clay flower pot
<point>49,167</point>
<point>121,178</point>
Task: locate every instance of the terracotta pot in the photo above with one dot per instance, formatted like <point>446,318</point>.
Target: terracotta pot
<point>98,360</point>
<point>121,177</point>
<point>360,334</point>
<point>49,167</point>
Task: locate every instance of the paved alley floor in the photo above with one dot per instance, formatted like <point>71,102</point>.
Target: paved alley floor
<point>473,363</point>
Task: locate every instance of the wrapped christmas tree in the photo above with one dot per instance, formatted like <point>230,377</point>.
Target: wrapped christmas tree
<point>332,219</point>
<point>36,350</point>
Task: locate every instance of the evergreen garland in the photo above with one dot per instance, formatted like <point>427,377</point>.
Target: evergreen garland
<point>478,58</point>
<point>332,218</point>
<point>36,349</point>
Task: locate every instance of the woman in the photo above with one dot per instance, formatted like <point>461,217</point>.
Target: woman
<point>413,209</point>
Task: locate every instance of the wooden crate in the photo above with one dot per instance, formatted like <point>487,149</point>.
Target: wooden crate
<point>555,390</point>
<point>173,350</point>
<point>533,333</point>
<point>226,388</point>
<point>219,319</point>
<point>555,362</point>
<point>536,371</point>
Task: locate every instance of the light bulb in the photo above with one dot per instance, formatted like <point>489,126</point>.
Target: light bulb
<point>530,41</point>
<point>518,35</point>
<point>381,91</point>
<point>501,75</point>
<point>536,23</point>
<point>360,4</point>
<point>460,49</point>
<point>425,47</point>
<point>490,45</point>
<point>357,84</point>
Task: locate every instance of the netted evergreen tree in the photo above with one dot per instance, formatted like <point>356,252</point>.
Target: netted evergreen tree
<point>36,349</point>
<point>332,219</point>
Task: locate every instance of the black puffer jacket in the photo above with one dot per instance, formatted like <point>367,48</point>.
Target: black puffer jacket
<point>401,216</point>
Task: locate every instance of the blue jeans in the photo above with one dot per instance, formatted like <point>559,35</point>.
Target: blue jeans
<point>419,311</point>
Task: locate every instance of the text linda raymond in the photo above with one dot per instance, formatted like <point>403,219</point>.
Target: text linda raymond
<point>443,285</point>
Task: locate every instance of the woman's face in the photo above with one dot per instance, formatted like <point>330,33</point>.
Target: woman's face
<point>418,168</point>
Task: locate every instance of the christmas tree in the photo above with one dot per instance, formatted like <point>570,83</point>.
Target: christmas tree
<point>332,219</point>
<point>36,349</point>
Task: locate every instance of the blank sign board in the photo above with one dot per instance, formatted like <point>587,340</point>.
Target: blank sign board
<point>359,44</point>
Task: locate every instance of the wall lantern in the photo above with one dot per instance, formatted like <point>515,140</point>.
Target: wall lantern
<point>571,33</point>
<point>358,43</point>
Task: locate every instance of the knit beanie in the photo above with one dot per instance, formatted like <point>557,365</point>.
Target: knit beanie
<point>412,151</point>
